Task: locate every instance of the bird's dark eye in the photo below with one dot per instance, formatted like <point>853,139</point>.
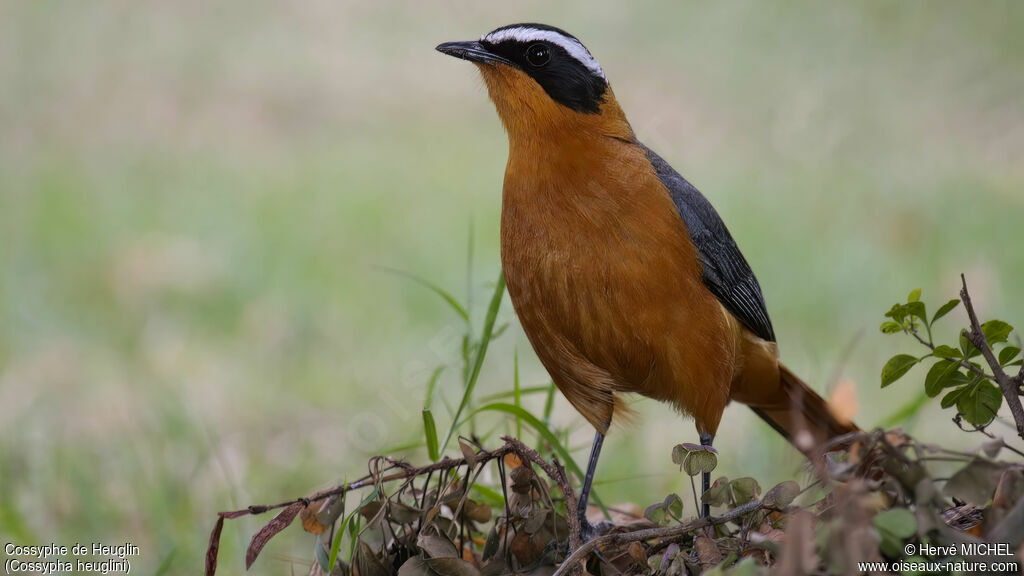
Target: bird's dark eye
<point>537,55</point>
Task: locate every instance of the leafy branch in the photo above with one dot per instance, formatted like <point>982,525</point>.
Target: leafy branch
<point>957,373</point>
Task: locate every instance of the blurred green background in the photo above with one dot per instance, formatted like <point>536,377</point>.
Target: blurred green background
<point>195,198</point>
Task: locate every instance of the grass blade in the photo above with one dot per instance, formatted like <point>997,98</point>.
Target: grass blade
<point>549,404</point>
<point>336,545</point>
<point>458,308</point>
<point>430,430</point>
<point>480,353</point>
<point>512,393</point>
<point>545,432</point>
<point>516,392</point>
<point>429,426</point>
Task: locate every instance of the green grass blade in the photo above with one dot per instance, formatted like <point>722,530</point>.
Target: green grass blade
<point>458,308</point>
<point>336,544</point>
<point>527,391</point>
<point>517,396</point>
<point>906,412</point>
<point>549,404</point>
<point>480,353</point>
<point>492,498</point>
<point>545,432</point>
<point>165,564</point>
<point>431,386</point>
<point>430,430</point>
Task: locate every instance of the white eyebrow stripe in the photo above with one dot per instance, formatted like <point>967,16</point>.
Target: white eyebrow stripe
<point>570,45</point>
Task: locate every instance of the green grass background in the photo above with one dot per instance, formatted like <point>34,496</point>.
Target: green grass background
<point>194,198</point>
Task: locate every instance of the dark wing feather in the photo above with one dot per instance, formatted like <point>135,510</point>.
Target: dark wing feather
<point>725,270</point>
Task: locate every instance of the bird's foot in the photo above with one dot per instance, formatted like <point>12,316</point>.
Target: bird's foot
<point>590,531</point>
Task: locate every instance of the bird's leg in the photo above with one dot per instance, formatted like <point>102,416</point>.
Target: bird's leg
<point>588,530</point>
<point>706,440</point>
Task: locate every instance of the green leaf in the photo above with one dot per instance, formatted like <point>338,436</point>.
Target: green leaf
<point>481,352</point>
<point>662,512</point>
<point>898,312</point>
<point>980,405</point>
<point>948,352</point>
<point>914,296</point>
<point>918,309</point>
<point>896,367</point>
<point>1007,354</point>
<point>968,349</point>
<point>894,526</point>
<point>996,331</point>
<point>744,490</point>
<point>952,396</point>
<point>700,461</point>
<point>719,494</point>
<point>943,374</point>
<point>898,522</point>
<point>890,327</point>
<point>945,309</point>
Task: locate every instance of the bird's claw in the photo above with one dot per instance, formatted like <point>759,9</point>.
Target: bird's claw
<point>590,531</point>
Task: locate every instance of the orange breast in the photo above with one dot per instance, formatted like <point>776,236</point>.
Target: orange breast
<point>606,282</point>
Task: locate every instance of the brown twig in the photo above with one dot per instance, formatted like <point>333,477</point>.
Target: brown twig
<point>1010,386</point>
<point>963,363</point>
<point>556,473</point>
<point>405,473</point>
<point>615,539</point>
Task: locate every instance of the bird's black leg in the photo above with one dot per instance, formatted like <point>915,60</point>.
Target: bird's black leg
<point>588,530</point>
<point>706,440</point>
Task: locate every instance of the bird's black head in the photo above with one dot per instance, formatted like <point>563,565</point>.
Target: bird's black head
<point>555,59</point>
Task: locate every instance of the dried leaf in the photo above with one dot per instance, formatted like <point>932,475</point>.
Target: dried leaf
<point>707,551</point>
<point>402,513</point>
<point>451,567</point>
<point>278,523</point>
<point>414,566</point>
<point>214,547</point>
<point>782,495</point>
<point>524,549</point>
<point>975,482</point>
<point>522,480</point>
<point>535,520</point>
<point>435,544</point>
<point>477,512</point>
<point>636,552</point>
<point>369,563</point>
<point>468,453</point>
<point>491,544</point>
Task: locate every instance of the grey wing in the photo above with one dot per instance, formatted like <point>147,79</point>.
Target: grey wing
<point>725,270</point>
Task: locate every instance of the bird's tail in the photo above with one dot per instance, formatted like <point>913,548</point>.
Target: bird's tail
<point>802,416</point>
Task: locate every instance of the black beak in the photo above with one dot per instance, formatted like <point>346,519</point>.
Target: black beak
<point>473,51</point>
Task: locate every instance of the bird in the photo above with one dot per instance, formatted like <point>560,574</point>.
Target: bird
<point>623,276</point>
